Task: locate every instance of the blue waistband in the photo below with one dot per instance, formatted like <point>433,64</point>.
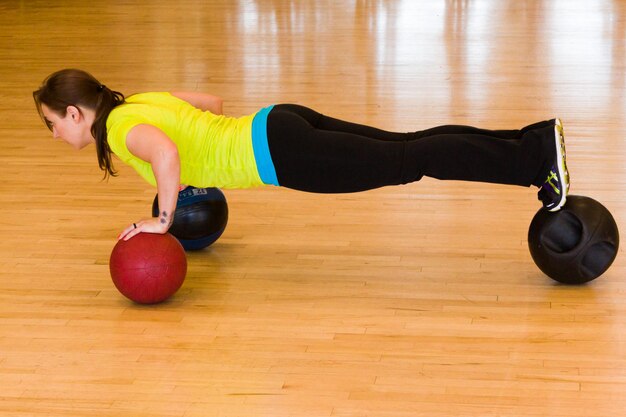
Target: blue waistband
<point>261,149</point>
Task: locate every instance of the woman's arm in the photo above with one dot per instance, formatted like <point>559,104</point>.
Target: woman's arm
<point>204,102</point>
<point>151,144</point>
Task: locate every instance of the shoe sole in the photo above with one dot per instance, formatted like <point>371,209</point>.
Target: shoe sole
<point>562,132</point>
<point>559,141</point>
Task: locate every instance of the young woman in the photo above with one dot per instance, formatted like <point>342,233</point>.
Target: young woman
<point>174,138</point>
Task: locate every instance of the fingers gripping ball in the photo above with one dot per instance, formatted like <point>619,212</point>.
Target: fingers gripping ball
<point>200,218</point>
<point>575,245</point>
<point>148,268</point>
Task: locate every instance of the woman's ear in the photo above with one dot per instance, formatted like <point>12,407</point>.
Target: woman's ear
<point>74,113</point>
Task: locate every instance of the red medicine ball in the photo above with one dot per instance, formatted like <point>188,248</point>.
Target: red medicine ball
<point>148,268</point>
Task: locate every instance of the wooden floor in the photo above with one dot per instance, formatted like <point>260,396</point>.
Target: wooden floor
<point>419,300</point>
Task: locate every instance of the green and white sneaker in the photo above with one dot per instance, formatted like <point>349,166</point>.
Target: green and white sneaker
<point>553,192</point>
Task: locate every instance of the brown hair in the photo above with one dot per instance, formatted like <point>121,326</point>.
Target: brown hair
<point>73,87</point>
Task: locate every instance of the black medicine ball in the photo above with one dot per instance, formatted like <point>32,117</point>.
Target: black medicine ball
<point>200,218</point>
<point>575,244</point>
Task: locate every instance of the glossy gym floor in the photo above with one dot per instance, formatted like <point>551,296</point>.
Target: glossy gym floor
<point>418,300</point>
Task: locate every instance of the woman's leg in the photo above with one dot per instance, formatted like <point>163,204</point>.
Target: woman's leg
<point>316,153</point>
<point>324,122</point>
<point>498,134</point>
<point>477,157</point>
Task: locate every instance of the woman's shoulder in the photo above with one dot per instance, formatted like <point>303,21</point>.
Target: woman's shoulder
<point>136,109</point>
<point>143,103</point>
<point>150,97</point>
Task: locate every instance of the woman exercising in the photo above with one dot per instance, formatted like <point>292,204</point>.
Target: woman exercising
<point>174,138</point>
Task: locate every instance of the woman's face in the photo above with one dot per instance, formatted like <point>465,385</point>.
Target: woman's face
<point>74,128</point>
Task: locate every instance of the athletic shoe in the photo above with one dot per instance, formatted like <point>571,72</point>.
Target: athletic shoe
<point>553,192</point>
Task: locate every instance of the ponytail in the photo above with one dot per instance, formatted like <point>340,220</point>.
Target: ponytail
<point>107,101</point>
<point>72,87</point>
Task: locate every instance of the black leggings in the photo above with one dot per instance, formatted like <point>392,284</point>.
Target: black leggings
<point>316,153</point>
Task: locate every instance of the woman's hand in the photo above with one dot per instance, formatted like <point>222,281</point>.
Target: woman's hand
<point>153,225</point>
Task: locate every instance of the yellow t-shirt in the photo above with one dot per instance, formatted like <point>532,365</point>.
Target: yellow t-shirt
<point>214,150</point>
